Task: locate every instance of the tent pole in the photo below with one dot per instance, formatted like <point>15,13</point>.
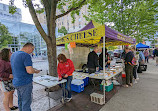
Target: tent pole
<point>104,67</point>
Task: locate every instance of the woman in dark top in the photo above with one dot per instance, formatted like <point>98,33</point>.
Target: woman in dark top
<point>129,67</point>
<point>6,79</point>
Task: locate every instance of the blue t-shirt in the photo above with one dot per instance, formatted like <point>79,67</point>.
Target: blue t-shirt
<point>19,61</point>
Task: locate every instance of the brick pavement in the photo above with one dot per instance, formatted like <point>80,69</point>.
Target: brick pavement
<point>40,100</point>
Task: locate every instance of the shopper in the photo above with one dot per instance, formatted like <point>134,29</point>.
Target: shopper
<point>6,80</point>
<point>65,70</point>
<point>92,62</point>
<point>22,69</point>
<point>129,67</point>
<point>136,56</point>
<point>156,56</point>
<point>146,54</point>
<point>107,59</point>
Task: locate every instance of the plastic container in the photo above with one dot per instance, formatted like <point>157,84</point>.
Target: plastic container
<point>107,88</point>
<point>86,81</point>
<point>77,88</point>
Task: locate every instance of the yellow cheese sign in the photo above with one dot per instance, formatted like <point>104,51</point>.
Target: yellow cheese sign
<point>124,38</point>
<point>83,35</point>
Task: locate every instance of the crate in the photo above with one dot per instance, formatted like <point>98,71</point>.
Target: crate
<point>77,88</point>
<point>86,81</point>
<point>97,98</point>
<point>107,88</point>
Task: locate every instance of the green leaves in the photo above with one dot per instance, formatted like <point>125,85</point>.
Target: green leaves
<point>40,10</point>
<point>63,30</point>
<point>12,9</point>
<point>135,18</point>
<point>5,36</point>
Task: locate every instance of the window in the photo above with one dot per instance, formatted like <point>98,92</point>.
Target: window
<point>79,13</point>
<point>67,23</point>
<point>67,17</point>
<point>79,19</point>
<point>73,26</point>
<point>4,7</point>
<point>79,24</point>
<point>62,23</point>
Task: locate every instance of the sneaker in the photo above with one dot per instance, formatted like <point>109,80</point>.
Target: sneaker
<point>131,84</point>
<point>137,78</point>
<point>125,86</point>
<point>135,81</point>
<point>14,108</point>
<point>68,99</point>
<point>62,100</point>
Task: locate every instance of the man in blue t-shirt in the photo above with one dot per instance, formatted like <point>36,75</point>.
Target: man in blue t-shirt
<point>22,70</point>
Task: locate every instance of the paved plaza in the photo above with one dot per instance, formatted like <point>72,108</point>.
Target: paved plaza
<point>141,97</point>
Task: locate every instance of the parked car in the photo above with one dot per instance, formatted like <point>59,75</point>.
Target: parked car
<point>117,53</point>
<point>111,54</point>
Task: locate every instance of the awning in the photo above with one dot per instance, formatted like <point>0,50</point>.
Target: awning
<point>92,35</point>
<point>140,45</point>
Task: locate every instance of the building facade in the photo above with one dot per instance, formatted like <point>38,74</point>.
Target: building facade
<point>66,20</point>
<point>21,32</point>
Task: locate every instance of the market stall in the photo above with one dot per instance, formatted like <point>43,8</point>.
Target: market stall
<point>140,45</point>
<point>92,35</point>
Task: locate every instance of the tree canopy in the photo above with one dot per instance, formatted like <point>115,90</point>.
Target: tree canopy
<point>135,18</point>
<point>131,17</point>
<point>62,30</point>
<point>5,36</point>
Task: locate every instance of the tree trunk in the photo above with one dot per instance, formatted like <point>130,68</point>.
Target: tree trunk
<point>52,59</point>
<point>51,52</point>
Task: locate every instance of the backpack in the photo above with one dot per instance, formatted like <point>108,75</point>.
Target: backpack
<point>134,61</point>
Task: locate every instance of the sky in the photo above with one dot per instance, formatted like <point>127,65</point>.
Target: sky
<point>26,17</point>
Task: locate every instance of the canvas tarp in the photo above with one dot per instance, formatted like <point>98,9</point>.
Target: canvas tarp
<point>140,45</point>
<point>92,35</point>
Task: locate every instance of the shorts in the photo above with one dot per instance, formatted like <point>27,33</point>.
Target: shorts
<point>6,86</point>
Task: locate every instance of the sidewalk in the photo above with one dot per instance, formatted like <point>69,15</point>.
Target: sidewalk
<point>40,100</point>
<point>143,96</point>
